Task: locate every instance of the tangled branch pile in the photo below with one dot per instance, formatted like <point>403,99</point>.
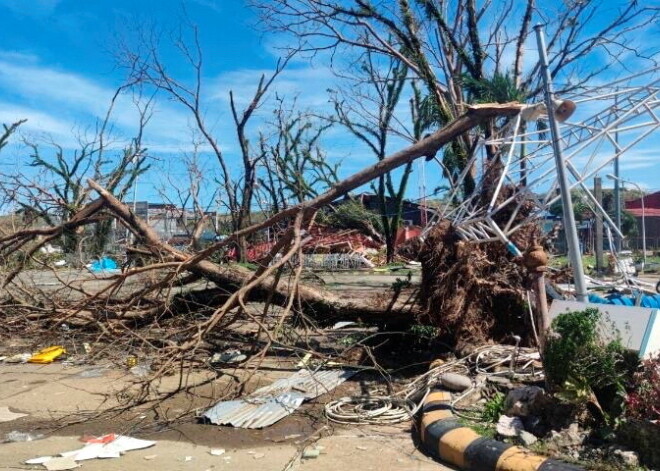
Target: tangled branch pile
<point>154,295</point>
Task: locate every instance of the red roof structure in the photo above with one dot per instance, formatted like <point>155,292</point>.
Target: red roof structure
<point>322,239</point>
<point>651,205</point>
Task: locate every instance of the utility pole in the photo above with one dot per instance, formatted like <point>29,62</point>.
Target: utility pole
<point>598,194</point>
<point>570,228</point>
<point>617,189</point>
<point>641,192</point>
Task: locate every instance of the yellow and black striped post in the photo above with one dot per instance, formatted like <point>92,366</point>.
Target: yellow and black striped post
<point>450,441</point>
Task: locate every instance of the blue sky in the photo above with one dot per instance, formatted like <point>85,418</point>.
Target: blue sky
<point>57,70</point>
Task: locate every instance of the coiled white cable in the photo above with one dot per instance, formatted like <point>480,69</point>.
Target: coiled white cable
<point>375,410</point>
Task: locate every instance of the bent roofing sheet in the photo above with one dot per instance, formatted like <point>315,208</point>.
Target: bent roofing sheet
<point>271,403</point>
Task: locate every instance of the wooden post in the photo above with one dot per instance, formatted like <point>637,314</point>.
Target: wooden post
<point>536,260</point>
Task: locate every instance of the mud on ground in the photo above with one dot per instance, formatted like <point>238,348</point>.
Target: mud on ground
<point>54,395</point>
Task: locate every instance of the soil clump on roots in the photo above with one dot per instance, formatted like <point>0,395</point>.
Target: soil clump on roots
<point>474,293</point>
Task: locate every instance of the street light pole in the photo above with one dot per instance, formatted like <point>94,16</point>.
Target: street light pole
<point>622,181</point>
<point>617,190</point>
<point>562,178</point>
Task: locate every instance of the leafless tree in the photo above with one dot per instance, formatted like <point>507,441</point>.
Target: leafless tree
<point>295,167</point>
<point>191,204</point>
<point>145,66</point>
<point>58,189</point>
<point>370,108</point>
<point>467,52</point>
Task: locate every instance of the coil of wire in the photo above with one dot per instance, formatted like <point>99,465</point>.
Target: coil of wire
<point>372,410</point>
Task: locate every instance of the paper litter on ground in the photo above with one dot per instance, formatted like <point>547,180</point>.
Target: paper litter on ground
<point>107,446</point>
<point>7,416</point>
<point>61,464</point>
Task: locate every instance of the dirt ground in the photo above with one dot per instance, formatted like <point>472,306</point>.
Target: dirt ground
<point>63,403</point>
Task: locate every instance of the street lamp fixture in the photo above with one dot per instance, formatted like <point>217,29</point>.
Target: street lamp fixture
<point>622,181</point>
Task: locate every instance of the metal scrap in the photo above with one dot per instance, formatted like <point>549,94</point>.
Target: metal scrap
<point>271,403</point>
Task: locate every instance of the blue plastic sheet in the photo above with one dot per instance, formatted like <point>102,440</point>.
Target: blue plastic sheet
<point>105,264</point>
<point>648,300</point>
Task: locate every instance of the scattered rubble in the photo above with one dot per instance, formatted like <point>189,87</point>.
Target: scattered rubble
<point>229,356</point>
<point>524,401</point>
<point>311,453</point>
<point>626,457</point>
<point>509,426</point>
<point>527,439</point>
<point>455,382</point>
<point>15,436</point>
<point>568,440</point>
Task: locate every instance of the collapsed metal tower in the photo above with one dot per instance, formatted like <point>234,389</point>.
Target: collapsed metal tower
<point>610,120</point>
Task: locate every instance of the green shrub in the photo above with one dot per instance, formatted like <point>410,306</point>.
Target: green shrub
<point>582,366</point>
<point>351,214</point>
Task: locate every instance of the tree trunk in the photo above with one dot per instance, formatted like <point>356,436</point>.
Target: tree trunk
<point>70,239</point>
<point>390,247</point>
<point>102,231</point>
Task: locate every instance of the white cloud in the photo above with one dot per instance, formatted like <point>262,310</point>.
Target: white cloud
<point>59,103</point>
<point>39,8</point>
<point>39,123</point>
<point>308,84</point>
<point>212,4</point>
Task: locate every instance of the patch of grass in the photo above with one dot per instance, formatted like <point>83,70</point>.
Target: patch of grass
<point>352,339</point>
<point>494,408</point>
<point>541,448</point>
<point>602,465</point>
<point>485,430</point>
<point>248,265</point>
<point>426,332</point>
<point>561,261</point>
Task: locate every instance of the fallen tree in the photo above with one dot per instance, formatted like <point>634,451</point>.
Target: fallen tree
<point>115,310</point>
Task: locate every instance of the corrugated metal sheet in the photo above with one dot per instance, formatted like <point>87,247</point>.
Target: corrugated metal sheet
<point>310,384</point>
<point>271,403</point>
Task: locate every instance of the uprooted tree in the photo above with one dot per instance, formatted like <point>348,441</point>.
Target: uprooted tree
<point>120,305</point>
<point>146,67</point>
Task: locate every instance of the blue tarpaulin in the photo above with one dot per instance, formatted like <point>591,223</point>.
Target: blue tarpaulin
<point>648,300</point>
<point>105,264</point>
